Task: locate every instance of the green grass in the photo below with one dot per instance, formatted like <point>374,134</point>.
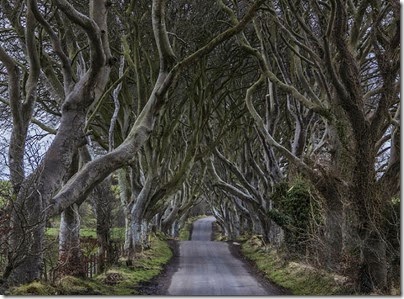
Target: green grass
<point>34,288</point>
<point>51,232</point>
<point>84,232</point>
<point>149,264</point>
<point>298,278</point>
<point>69,285</point>
<point>185,232</point>
<point>117,233</point>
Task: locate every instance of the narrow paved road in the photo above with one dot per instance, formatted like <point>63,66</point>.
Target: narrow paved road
<point>208,268</point>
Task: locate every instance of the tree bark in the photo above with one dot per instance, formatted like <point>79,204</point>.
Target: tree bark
<point>70,254</point>
<point>103,198</point>
<point>137,214</point>
<point>373,269</point>
<point>333,231</point>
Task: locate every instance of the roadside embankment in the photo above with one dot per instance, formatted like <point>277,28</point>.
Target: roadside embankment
<point>295,276</point>
<point>118,280</point>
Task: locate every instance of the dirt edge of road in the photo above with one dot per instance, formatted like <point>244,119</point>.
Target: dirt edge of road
<point>159,284</point>
<point>255,272</point>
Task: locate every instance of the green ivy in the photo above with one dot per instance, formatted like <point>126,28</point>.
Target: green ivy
<point>292,211</point>
<point>6,192</point>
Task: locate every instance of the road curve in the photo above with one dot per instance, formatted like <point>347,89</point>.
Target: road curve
<point>208,268</point>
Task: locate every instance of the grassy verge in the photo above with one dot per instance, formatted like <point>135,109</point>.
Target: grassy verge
<point>149,264</point>
<point>298,278</point>
<point>119,280</point>
<point>34,288</point>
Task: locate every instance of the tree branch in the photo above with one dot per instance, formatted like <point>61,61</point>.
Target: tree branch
<point>98,58</point>
<point>57,46</point>
<point>96,170</point>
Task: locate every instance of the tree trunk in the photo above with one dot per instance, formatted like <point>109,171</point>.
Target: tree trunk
<point>333,232</point>
<point>128,245</point>
<point>103,199</point>
<point>137,234</point>
<point>145,234</point>
<point>276,234</point>
<point>137,213</point>
<point>256,224</point>
<point>267,225</point>
<point>175,229</point>
<point>70,255</point>
<point>127,204</point>
<point>167,223</point>
<point>372,275</point>
<point>369,203</point>
<point>373,269</point>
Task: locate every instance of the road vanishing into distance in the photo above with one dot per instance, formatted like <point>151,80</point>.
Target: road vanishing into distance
<point>208,268</point>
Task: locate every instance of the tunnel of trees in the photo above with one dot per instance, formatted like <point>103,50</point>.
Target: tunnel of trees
<point>279,117</point>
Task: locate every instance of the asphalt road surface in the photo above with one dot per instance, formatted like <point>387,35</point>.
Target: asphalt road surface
<point>208,268</point>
